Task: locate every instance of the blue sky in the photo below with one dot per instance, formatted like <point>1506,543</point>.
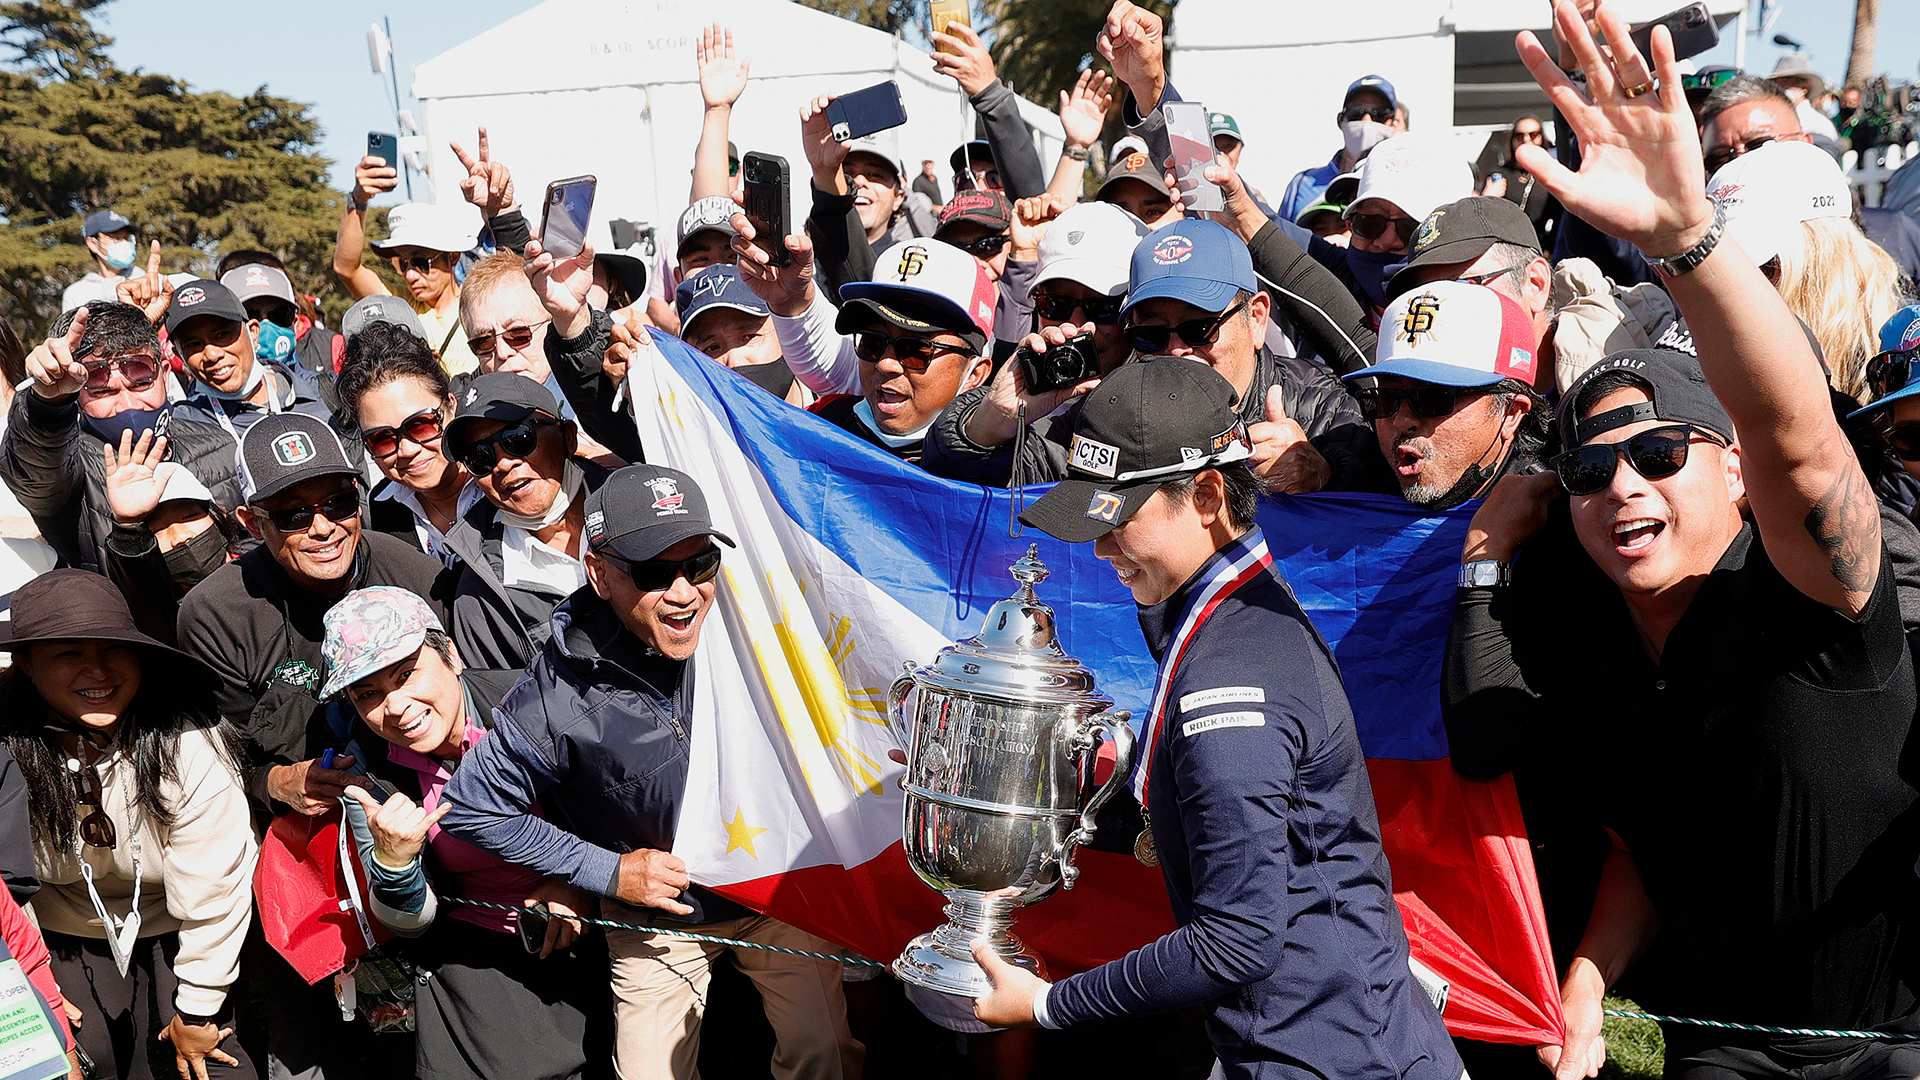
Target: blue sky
<point>320,55</point>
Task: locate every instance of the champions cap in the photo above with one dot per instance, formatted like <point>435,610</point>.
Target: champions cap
<point>370,629</point>
<point>1092,244</point>
<point>1673,380</point>
<point>642,510</point>
<point>1415,173</point>
<point>713,213</point>
<point>283,449</point>
<point>1454,333</point>
<point>924,286</point>
<point>1149,421</point>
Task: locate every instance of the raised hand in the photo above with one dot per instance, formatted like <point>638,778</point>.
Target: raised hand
<point>1134,42</point>
<point>561,285</point>
<point>969,63</point>
<point>489,184</point>
<point>151,293</point>
<point>1282,457</point>
<point>399,825</point>
<point>994,421</point>
<point>373,176</point>
<point>1084,112</point>
<point>137,476</point>
<point>788,290</point>
<point>51,365</point>
<point>1640,178</point>
<point>824,152</point>
<point>723,76</point>
<point>1030,219</point>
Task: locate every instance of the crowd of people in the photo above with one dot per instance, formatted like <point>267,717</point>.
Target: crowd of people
<point>414,579</point>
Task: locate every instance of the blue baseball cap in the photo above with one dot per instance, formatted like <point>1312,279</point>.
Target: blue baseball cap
<point>1376,83</point>
<point>104,221</point>
<point>717,286</point>
<point>1199,262</point>
<point>1901,333</point>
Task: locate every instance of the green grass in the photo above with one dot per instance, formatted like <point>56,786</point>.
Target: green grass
<point>1635,1050</point>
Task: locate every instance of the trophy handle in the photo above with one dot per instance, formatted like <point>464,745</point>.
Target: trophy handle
<point>896,708</point>
<point>1114,724</point>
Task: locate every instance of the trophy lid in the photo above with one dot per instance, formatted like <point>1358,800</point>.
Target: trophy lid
<point>1017,653</point>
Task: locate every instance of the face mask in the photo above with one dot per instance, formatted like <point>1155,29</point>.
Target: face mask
<point>775,378</point>
<point>120,254</point>
<point>256,375</point>
<point>191,562</point>
<point>276,342</point>
<point>573,484</point>
<point>864,411</point>
<point>1373,269</point>
<point>109,429</point>
<point>1361,136</point>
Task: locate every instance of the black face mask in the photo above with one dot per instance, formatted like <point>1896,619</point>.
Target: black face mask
<point>775,378</point>
<point>191,562</point>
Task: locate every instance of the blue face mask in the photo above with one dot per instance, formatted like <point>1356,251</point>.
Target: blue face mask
<point>109,429</point>
<point>1373,269</point>
<point>275,343</point>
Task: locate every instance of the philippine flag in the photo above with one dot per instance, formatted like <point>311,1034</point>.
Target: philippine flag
<point>852,565</point>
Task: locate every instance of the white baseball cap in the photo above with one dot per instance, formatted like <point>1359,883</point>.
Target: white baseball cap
<point>1454,333</point>
<point>1092,244</point>
<point>1768,192</point>
<point>880,144</point>
<point>924,285</point>
<point>1415,173</point>
<point>450,227</point>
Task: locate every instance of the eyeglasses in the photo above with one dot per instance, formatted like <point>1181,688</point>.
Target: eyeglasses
<point>421,428</point>
<point>420,263</point>
<point>985,247</point>
<point>1531,136</point>
<point>1378,113</point>
<point>1154,340</point>
<point>1491,275</point>
<point>516,337</point>
<point>344,506</point>
<point>1721,157</point>
<point>514,440</point>
<point>96,828</point>
<point>138,369</point>
<point>1656,454</point>
<point>913,353</point>
<point>1891,371</point>
<point>1372,226</point>
<point>1426,401</point>
<point>1707,80</point>
<point>1104,310</point>
<point>658,575</point>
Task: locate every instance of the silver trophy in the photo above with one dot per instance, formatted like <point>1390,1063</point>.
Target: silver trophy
<point>1000,754</point>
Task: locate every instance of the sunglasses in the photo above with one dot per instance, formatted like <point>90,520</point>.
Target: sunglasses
<point>658,575</point>
<point>986,247</point>
<point>344,506</point>
<point>96,828</point>
<point>1707,80</point>
<point>913,353</point>
<point>1656,454</point>
<point>1104,311</point>
<point>1721,157</point>
<point>964,180</point>
<point>1373,226</point>
<point>421,428</point>
<point>1153,340</point>
<point>138,369</point>
<point>1378,113</point>
<point>1891,371</point>
<point>421,263</point>
<point>1904,441</point>
<point>1491,275</point>
<point>516,337</point>
<point>1531,136</point>
<point>1425,401</point>
<point>514,440</point>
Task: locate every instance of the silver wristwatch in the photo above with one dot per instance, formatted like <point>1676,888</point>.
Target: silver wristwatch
<point>1675,265</point>
<point>1482,573</point>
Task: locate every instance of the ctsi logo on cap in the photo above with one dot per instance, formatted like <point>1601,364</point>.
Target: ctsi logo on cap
<point>667,495</point>
<point>190,296</point>
<point>1105,506</point>
<point>1173,250</point>
<point>293,448</point>
<point>1098,458</point>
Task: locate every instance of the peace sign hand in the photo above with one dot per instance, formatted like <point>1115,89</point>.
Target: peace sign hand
<point>489,184</point>
<point>152,293</point>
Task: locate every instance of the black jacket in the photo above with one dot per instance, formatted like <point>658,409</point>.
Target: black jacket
<point>575,363</point>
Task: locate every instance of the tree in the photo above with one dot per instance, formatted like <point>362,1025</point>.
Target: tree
<point>1866,21</point>
<point>202,173</point>
<point>892,16</point>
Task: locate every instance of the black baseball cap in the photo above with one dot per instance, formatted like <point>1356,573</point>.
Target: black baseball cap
<point>203,297</point>
<point>642,510</point>
<point>283,449</point>
<point>498,395</point>
<point>1462,231</point>
<point>1672,379</point>
<point>1146,423</point>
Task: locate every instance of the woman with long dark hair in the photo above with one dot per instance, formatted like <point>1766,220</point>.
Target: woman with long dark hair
<point>141,833</point>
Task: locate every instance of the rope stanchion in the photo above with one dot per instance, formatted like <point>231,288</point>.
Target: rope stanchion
<point>1763,1029</point>
<point>608,924</point>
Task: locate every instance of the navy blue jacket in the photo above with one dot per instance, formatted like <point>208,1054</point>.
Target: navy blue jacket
<point>1270,845</point>
<point>597,732</point>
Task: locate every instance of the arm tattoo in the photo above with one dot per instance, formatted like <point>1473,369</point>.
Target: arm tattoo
<point>1841,521</point>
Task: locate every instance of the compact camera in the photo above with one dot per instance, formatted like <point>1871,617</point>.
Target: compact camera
<point>1061,365</point>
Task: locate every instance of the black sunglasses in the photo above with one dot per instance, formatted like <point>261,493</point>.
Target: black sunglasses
<point>1720,158</point>
<point>1656,454</point>
<point>1104,311</point>
<point>1891,371</point>
<point>422,263</point>
<point>96,828</point>
<point>516,337</point>
<point>913,353</point>
<point>1154,340</point>
<point>1491,275</point>
<point>1904,441</point>
<point>1426,401</point>
<point>1373,226</point>
<point>344,506</point>
<point>421,428</point>
<point>514,440</point>
<point>658,575</point>
<point>986,247</point>
<point>1379,113</point>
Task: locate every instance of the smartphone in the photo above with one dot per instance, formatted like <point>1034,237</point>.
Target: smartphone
<point>863,112</point>
<point>385,146</point>
<point>532,926</point>
<point>944,13</point>
<point>563,222</point>
<point>766,193</point>
<point>1692,29</point>
<point>1192,141</point>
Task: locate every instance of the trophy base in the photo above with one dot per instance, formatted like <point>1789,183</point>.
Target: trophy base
<point>942,961</point>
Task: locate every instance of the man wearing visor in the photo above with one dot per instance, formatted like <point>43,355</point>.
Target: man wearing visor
<point>1250,774</point>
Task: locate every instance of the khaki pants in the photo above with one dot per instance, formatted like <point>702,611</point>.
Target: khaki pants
<point>660,995</point>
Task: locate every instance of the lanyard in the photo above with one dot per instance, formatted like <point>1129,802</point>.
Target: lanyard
<point>1239,562</point>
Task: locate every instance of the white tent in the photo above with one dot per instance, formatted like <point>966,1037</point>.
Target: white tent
<point>610,87</point>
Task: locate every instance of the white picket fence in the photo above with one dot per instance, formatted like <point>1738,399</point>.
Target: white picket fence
<point>1869,172</point>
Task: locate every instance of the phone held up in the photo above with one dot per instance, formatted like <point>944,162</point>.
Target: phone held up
<point>944,13</point>
<point>1692,29</point>
<point>385,146</point>
<point>563,220</point>
<point>863,112</point>
<point>766,178</point>
<point>1192,141</point>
